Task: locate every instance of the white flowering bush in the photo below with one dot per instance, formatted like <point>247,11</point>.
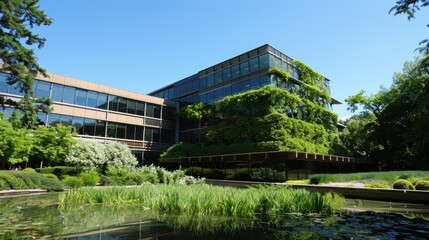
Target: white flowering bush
<point>86,155</point>
<point>119,156</point>
<point>189,180</point>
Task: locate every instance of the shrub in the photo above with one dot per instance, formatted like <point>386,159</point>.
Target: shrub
<point>87,155</point>
<point>59,171</point>
<point>151,177</point>
<point>72,182</point>
<point>26,180</point>
<point>118,155</point>
<point>51,176</point>
<point>12,181</point>
<point>134,178</point>
<point>189,180</point>
<point>89,178</point>
<point>403,184</point>
<point>4,185</point>
<point>422,185</point>
<point>377,185</point>
<point>29,169</point>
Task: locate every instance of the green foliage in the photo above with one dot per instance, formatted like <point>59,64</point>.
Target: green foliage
<point>52,143</point>
<point>396,118</point>
<point>59,171</point>
<point>15,144</point>
<point>17,53</point>
<point>72,181</point>
<point>89,178</point>
<point>29,169</point>
<point>26,180</point>
<point>390,176</point>
<point>377,185</point>
<point>87,155</point>
<point>202,199</point>
<point>403,184</point>
<point>422,185</point>
<point>118,155</point>
<point>50,175</point>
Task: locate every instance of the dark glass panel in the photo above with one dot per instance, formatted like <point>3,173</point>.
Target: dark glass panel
<point>140,108</point>
<point>121,130</point>
<point>66,120</point>
<point>41,117</point>
<point>245,86</point>
<point>15,89</point>
<point>218,77</point>
<point>57,92</point>
<point>148,134</point>
<point>122,105</point>
<point>113,103</point>
<point>168,135</point>
<point>264,61</point>
<point>218,93</point>
<point>203,97</point>
<point>102,101</point>
<point>168,113</point>
<point>78,124</point>
<point>68,95</point>
<point>54,119</point>
<point>131,107</point>
<point>195,84</point>
<point>210,96</point>
<point>210,80</point>
<point>131,131</point>
<point>111,129</point>
<point>254,83</point>
<point>89,128</point>
<point>155,135</point>
<point>203,82</point>
<point>43,89</point>
<point>100,128</point>
<point>153,110</point>
<point>80,98</point>
<point>254,64</point>
<point>227,91</point>
<point>226,73</point>
<point>244,67</point>
<point>264,80</point>
<point>235,88</point>
<point>235,71</point>
<point>139,133</point>
<point>92,100</point>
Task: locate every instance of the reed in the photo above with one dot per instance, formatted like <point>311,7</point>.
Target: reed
<point>203,199</point>
<point>390,176</point>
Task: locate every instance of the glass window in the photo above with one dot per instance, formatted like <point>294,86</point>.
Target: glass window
<point>168,136</point>
<point>153,110</point>
<point>41,118</point>
<point>43,89</point>
<point>111,129</point>
<point>140,108</point>
<point>131,107</point>
<point>57,92</point>
<point>210,80</point>
<point>227,91</point>
<point>113,103</point>
<point>245,86</point>
<point>203,97</point>
<point>218,93</point>
<point>68,95</point>
<point>226,73</point>
<point>244,67</point>
<point>254,83</point>
<point>264,61</point>
<point>100,128</point>
<point>4,86</point>
<point>89,126</point>
<point>80,97</point>
<point>131,131</point>
<point>92,99</point>
<point>122,105</point>
<point>15,89</point>
<point>235,88</point>
<point>254,64</point>
<point>264,80</point>
<point>168,113</point>
<point>54,119</point>
<point>218,77</point>
<point>210,96</point>
<point>121,130</point>
<point>102,101</point>
<point>155,135</point>
<point>235,71</point>
<point>66,120</point>
<point>78,124</point>
<point>148,134</point>
<point>139,133</point>
<point>203,82</point>
<point>195,84</point>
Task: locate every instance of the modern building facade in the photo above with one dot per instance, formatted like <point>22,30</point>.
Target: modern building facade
<point>102,113</point>
<point>146,122</point>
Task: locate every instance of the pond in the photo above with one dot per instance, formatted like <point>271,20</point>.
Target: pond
<point>38,217</point>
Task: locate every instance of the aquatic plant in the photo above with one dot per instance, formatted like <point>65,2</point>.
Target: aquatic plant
<point>365,176</point>
<point>403,184</point>
<point>202,199</point>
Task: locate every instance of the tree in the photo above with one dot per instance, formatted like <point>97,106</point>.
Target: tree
<point>409,7</point>
<point>52,143</point>
<point>15,144</point>
<point>19,60</point>
<point>119,156</point>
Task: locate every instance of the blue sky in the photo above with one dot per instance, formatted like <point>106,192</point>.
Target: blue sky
<point>140,45</point>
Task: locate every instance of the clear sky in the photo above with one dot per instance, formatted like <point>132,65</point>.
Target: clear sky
<point>143,45</point>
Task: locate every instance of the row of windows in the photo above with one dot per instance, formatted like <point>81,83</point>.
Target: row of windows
<point>92,127</point>
<point>234,71</point>
<point>81,97</point>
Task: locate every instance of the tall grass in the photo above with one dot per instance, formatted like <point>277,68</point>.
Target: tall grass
<point>368,176</point>
<point>202,199</point>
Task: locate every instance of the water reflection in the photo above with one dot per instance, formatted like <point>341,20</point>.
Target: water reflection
<point>39,217</point>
